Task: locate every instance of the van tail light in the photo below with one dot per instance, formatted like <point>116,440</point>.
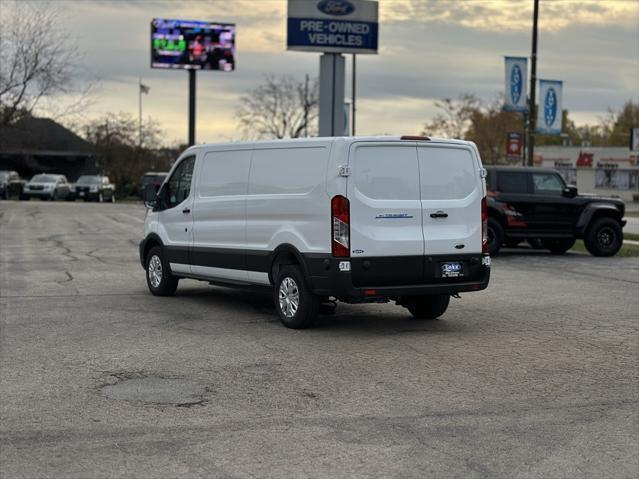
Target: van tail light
<point>341,227</point>
<point>484,226</point>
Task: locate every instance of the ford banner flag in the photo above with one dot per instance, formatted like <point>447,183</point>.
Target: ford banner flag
<point>335,26</point>
<point>549,110</point>
<point>515,98</point>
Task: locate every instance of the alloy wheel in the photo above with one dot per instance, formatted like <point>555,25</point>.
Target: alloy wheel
<point>155,271</point>
<point>289,297</point>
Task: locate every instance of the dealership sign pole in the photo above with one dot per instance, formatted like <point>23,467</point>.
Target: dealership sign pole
<point>192,45</point>
<point>332,27</point>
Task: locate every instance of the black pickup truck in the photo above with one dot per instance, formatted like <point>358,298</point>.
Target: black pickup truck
<point>535,204</point>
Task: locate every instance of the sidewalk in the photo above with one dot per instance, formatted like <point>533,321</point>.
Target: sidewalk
<point>632,225</point>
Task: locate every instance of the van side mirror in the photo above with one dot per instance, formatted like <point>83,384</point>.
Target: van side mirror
<point>570,191</point>
<point>150,196</point>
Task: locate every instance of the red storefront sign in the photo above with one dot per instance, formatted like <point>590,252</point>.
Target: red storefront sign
<point>514,144</point>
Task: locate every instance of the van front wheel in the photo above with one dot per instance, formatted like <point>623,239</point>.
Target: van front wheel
<point>296,305</point>
<point>428,307</point>
<point>158,275</point>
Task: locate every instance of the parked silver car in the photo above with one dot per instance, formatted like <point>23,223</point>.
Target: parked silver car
<point>47,187</point>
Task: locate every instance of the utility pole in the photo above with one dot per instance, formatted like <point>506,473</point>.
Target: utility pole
<point>354,92</point>
<point>532,117</point>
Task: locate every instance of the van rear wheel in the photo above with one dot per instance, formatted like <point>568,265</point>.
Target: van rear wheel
<point>296,305</point>
<point>428,307</point>
<point>495,236</point>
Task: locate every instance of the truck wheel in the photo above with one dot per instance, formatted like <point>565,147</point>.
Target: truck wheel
<point>296,305</point>
<point>428,307</point>
<point>558,245</point>
<point>495,236</point>
<point>604,237</point>
<point>158,274</point>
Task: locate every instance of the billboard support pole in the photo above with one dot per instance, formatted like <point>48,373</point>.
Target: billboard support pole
<point>191,107</point>
<point>331,97</point>
<point>533,81</point>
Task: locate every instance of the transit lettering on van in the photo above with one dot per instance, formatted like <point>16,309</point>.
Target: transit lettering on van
<point>321,220</point>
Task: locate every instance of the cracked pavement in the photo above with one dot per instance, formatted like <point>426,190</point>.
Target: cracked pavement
<point>535,377</point>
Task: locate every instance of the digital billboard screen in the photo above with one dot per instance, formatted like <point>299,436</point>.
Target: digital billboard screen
<point>194,45</point>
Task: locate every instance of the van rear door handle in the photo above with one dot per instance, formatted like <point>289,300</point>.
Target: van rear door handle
<point>439,214</point>
<point>186,211</point>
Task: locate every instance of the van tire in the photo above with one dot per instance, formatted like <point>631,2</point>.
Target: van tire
<point>156,263</point>
<point>428,307</point>
<point>604,237</point>
<point>495,236</point>
<point>296,305</point>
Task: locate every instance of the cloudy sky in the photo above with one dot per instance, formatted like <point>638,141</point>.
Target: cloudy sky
<point>429,49</point>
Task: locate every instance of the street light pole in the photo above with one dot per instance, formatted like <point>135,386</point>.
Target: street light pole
<point>533,80</point>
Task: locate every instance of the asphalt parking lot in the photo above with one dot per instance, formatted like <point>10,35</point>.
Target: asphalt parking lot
<point>536,377</point>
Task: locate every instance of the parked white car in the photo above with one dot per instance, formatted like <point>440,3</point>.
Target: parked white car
<point>368,219</point>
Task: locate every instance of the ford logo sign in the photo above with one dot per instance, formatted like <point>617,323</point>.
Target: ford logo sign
<point>336,7</point>
<point>550,107</point>
<point>515,84</point>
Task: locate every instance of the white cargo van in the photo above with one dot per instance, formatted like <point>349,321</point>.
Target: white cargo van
<point>364,219</point>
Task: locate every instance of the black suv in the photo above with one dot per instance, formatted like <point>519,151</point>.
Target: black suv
<point>535,204</point>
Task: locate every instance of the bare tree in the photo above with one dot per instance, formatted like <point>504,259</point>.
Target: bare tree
<point>454,117</point>
<point>115,138</point>
<point>37,60</point>
<point>280,108</point>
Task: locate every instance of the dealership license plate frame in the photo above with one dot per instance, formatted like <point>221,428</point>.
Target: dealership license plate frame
<point>451,269</point>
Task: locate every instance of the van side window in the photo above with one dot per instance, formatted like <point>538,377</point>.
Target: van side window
<point>512,182</point>
<point>179,185</point>
<point>224,173</point>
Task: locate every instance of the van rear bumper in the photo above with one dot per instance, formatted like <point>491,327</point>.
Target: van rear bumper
<point>327,280</point>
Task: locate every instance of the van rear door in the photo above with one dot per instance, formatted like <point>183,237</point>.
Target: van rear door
<point>451,191</point>
<point>387,238</point>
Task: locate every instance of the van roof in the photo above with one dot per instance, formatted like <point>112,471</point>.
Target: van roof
<point>323,141</point>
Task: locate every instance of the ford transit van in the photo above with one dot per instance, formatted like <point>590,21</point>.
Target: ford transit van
<point>361,219</point>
